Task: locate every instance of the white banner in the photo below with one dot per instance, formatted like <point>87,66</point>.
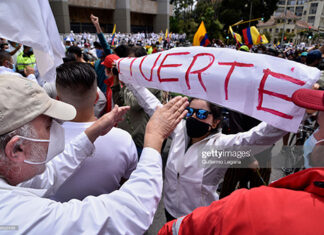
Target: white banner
<point>31,22</point>
<point>258,85</point>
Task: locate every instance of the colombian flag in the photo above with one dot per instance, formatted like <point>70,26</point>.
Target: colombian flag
<point>201,38</point>
<point>251,36</point>
<point>113,35</point>
<point>236,36</point>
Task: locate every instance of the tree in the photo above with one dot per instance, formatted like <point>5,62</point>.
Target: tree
<point>206,11</point>
<point>232,11</point>
<point>182,20</point>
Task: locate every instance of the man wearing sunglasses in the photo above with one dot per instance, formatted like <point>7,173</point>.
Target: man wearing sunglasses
<point>188,184</point>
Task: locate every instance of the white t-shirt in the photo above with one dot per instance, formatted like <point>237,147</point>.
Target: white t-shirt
<point>115,158</point>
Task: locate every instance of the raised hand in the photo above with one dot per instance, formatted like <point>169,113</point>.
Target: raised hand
<point>164,121</point>
<point>103,125</point>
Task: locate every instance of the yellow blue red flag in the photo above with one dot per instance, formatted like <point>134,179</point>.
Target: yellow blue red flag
<point>113,35</point>
<point>236,36</point>
<point>251,36</point>
<point>201,37</point>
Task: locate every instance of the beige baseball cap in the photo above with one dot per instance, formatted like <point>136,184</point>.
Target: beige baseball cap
<point>22,100</point>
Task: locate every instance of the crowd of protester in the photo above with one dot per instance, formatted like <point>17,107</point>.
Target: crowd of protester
<point>107,174</point>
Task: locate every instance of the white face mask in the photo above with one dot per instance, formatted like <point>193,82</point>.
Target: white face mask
<point>56,143</point>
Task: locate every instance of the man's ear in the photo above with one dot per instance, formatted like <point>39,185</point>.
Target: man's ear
<point>97,98</point>
<point>14,151</point>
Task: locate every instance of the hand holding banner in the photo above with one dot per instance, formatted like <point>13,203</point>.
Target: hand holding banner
<point>258,85</point>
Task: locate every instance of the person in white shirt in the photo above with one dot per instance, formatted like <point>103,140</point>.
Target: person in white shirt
<point>115,157</point>
<point>188,183</point>
<point>30,137</point>
<point>7,66</point>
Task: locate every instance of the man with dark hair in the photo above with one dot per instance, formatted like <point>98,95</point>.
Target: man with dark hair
<point>76,52</point>
<point>76,84</point>
<point>122,50</point>
<point>7,66</point>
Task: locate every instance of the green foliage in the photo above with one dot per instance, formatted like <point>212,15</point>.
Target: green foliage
<point>188,16</point>
<point>232,11</point>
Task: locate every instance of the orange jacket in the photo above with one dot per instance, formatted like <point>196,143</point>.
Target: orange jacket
<point>291,205</point>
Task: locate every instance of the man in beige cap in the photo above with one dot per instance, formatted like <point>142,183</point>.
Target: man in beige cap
<point>30,137</point>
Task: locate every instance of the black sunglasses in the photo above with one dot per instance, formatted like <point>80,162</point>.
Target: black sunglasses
<point>200,113</point>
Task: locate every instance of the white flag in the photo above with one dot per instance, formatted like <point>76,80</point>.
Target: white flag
<point>31,22</point>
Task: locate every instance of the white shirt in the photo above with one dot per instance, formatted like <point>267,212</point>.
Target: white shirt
<point>4,69</point>
<point>115,159</point>
<point>129,210</point>
<point>187,183</point>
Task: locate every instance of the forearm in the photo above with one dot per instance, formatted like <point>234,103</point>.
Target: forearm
<point>104,43</point>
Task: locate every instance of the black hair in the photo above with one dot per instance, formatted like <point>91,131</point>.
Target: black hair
<point>4,56</point>
<point>74,50</point>
<point>69,58</point>
<point>122,51</point>
<point>97,45</point>
<point>138,51</point>
<point>76,76</point>
<point>2,45</point>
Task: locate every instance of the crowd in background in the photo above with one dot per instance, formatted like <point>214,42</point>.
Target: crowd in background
<point>93,56</point>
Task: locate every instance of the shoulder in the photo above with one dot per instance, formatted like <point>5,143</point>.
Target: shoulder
<point>118,135</point>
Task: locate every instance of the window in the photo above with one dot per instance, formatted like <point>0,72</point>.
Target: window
<point>291,2</point>
<point>313,8</point>
<point>277,30</point>
<point>265,30</point>
<point>311,20</point>
<point>305,12</point>
<point>288,30</point>
<point>292,30</point>
<point>299,11</point>
<point>282,2</point>
<point>270,30</point>
<point>300,2</point>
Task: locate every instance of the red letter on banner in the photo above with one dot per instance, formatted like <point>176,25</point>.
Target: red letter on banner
<point>268,72</point>
<point>131,66</point>
<point>140,67</point>
<point>168,66</point>
<point>199,72</point>
<point>233,64</point>
<point>119,65</point>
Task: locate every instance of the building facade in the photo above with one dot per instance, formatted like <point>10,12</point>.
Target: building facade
<point>286,26</point>
<point>294,19</point>
<point>310,11</point>
<point>128,15</point>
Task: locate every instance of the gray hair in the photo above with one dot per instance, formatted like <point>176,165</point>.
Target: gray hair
<point>26,130</point>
